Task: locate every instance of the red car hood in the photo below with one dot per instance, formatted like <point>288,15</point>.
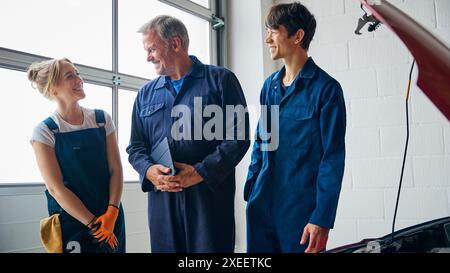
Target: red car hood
<point>431,54</point>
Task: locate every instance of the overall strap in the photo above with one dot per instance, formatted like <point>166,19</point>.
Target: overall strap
<point>100,118</point>
<point>51,124</point>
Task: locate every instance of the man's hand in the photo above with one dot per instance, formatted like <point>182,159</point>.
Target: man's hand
<point>157,174</point>
<point>186,177</point>
<point>318,237</point>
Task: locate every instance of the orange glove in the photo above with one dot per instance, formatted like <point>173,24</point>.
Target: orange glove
<point>106,223</point>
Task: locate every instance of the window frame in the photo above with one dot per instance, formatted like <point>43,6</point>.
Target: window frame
<point>215,14</point>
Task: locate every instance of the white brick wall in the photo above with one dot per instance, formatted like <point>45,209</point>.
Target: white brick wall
<point>347,181</point>
<point>431,171</point>
<point>373,71</point>
<point>443,13</point>
<point>392,80</point>
<point>427,140</point>
<point>351,8</point>
<point>381,111</point>
<point>331,34</point>
<point>444,33</point>
<point>365,143</point>
<point>448,197</point>
<point>382,52</point>
<point>351,234</point>
<point>421,10</point>
<point>447,140</point>
<point>332,57</point>
<point>428,200</point>
<point>361,204</point>
<point>409,205</point>
<point>358,83</point>
<point>369,228</point>
<point>390,141</point>
<point>380,173</point>
<point>323,8</point>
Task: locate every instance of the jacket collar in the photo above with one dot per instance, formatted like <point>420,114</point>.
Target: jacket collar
<point>307,71</point>
<point>197,71</point>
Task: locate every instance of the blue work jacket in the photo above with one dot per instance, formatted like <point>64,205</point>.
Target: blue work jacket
<point>300,181</point>
<point>215,160</point>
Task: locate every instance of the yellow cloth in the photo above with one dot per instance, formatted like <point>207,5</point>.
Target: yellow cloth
<point>51,236</point>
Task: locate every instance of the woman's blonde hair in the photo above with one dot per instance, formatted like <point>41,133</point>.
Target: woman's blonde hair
<point>44,75</point>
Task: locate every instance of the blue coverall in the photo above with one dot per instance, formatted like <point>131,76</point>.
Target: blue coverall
<point>300,182</point>
<point>201,217</point>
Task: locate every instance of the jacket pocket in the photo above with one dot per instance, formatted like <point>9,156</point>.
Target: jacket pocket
<point>297,113</point>
<point>149,110</point>
<point>297,124</point>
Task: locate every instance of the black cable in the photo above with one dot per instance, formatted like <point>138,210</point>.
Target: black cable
<point>404,155</point>
<point>362,7</point>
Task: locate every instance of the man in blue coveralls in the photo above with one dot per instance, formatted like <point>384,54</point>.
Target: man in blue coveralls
<point>192,211</point>
<point>292,192</point>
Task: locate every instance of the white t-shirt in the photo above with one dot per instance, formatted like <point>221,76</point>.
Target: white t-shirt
<point>41,133</point>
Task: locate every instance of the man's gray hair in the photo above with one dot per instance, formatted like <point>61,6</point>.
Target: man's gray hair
<point>167,27</point>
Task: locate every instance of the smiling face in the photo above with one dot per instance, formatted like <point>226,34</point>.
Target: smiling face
<point>69,87</point>
<point>280,45</point>
<point>158,52</point>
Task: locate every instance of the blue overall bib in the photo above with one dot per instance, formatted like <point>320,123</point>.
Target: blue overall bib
<point>84,166</point>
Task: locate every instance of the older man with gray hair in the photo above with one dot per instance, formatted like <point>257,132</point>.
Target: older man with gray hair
<point>193,210</point>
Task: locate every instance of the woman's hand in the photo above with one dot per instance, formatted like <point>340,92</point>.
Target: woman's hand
<point>104,227</point>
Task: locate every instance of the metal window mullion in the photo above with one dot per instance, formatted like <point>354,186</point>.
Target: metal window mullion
<point>20,61</point>
<point>17,60</point>
<point>221,47</point>
<point>191,7</point>
<point>115,62</point>
<point>213,38</point>
<point>37,188</point>
<point>131,83</point>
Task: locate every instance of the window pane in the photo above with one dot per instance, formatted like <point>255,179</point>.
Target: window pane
<point>132,57</point>
<point>21,109</point>
<point>97,97</point>
<point>77,29</point>
<point>204,3</point>
<point>126,101</point>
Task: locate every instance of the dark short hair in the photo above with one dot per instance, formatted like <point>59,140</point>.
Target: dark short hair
<point>293,16</point>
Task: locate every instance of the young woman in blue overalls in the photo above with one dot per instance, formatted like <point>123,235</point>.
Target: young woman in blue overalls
<point>77,153</point>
